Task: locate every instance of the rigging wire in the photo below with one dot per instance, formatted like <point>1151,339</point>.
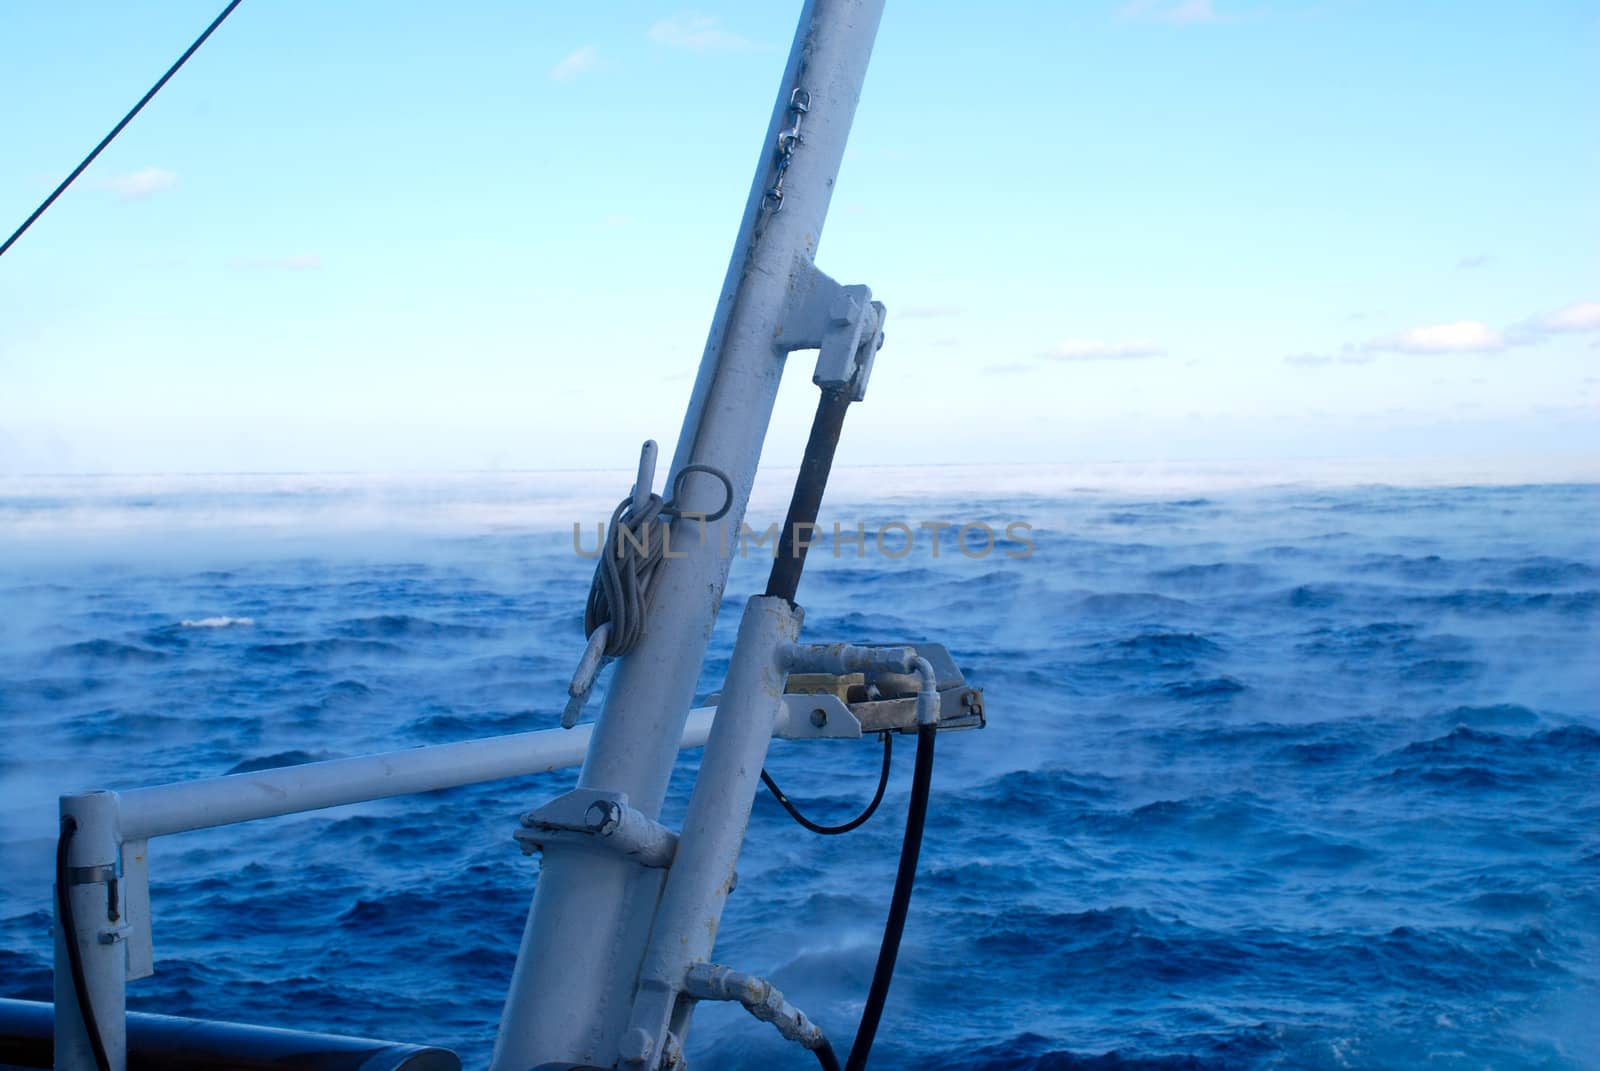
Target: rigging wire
<point>126,119</point>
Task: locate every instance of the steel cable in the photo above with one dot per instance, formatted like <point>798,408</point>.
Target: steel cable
<point>126,119</point>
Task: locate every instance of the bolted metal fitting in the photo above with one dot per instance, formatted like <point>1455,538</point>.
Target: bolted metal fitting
<point>598,820</point>
<point>603,817</point>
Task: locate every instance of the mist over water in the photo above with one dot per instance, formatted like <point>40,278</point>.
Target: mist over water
<point>1274,777</point>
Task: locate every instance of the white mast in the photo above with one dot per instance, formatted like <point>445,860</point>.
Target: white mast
<point>572,997</point>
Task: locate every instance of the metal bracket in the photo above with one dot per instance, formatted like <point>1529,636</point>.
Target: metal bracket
<point>877,700</point>
<point>842,323</point>
<point>817,717</point>
<point>598,819</point>
<point>960,707</point>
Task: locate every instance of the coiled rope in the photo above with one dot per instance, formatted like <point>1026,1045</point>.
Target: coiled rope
<point>636,543</point>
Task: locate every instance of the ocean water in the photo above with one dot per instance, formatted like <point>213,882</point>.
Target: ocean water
<point>1275,776</point>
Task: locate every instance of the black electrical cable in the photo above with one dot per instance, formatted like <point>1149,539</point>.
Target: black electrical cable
<point>69,936</point>
<point>854,823</point>
<point>827,1057</point>
<point>900,903</point>
<point>126,119</point>
<point>783,582</point>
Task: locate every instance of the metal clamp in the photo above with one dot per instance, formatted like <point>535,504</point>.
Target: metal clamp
<point>102,874</point>
<point>595,818</point>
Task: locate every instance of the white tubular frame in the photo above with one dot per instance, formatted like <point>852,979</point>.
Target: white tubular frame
<point>114,828</point>
<point>575,995</point>
<point>572,992</point>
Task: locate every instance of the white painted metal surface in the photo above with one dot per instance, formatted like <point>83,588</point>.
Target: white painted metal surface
<point>112,824</point>
<point>221,801</point>
<point>571,993</point>
<point>92,859</point>
<point>702,876</point>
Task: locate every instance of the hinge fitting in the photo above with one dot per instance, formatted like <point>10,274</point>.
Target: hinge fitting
<point>842,323</point>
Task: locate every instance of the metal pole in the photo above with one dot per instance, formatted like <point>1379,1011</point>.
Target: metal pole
<point>160,810</point>
<point>572,988</point>
<point>95,898</point>
<point>702,875</point>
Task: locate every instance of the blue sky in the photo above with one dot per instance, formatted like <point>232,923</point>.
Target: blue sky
<point>395,236</point>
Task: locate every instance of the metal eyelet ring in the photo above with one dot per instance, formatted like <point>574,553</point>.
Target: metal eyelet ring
<point>677,490</point>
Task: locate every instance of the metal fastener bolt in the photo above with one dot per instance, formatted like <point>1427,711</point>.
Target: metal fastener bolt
<point>603,817</point>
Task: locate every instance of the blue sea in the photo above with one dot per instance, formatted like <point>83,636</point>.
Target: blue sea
<point>1277,774</point>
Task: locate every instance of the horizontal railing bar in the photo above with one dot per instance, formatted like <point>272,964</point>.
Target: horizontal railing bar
<point>219,801</point>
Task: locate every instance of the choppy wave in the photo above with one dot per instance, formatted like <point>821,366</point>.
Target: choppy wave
<point>1274,778</point>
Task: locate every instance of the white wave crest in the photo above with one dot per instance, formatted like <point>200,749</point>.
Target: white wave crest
<point>219,622</point>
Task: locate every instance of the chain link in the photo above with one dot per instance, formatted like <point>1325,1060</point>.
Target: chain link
<point>788,140</point>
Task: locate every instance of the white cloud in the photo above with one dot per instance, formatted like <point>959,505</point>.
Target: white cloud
<point>298,262</point>
<point>578,63</point>
<point>1466,336</point>
<point>1347,354</point>
<point>1093,350</point>
<point>137,185</point>
<point>1181,12</point>
<point>1579,316</point>
<point>1462,336</point>
<point>693,30</point>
